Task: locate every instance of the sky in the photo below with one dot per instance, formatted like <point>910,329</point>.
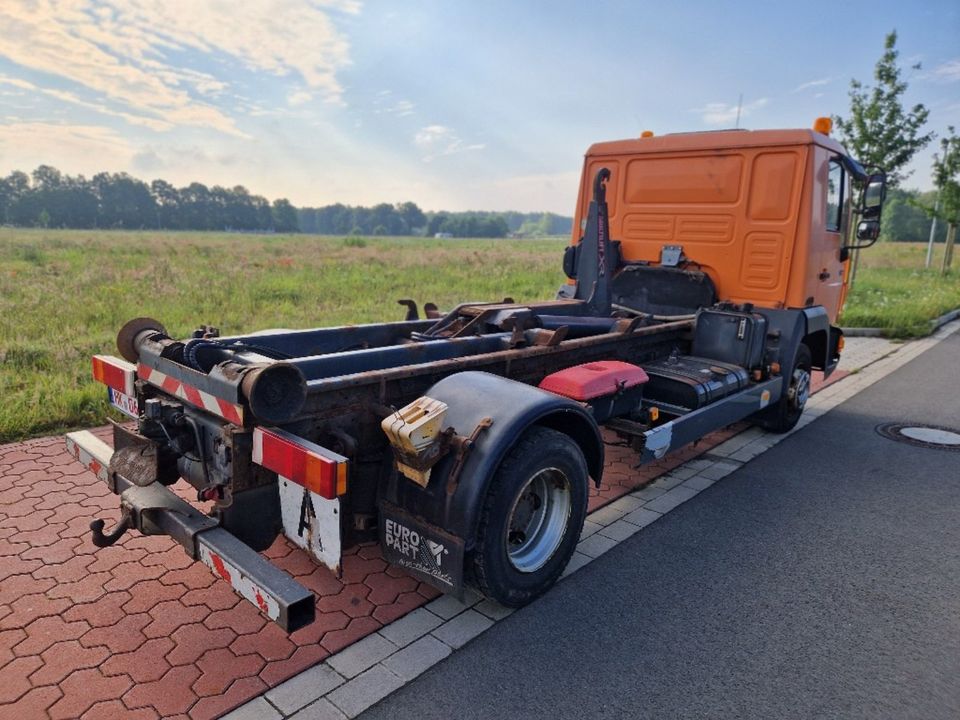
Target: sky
<point>453,105</point>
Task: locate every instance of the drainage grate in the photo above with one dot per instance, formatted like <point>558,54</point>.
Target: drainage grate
<point>925,436</point>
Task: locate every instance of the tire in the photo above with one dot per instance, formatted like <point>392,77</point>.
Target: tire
<point>531,518</point>
<point>785,415</point>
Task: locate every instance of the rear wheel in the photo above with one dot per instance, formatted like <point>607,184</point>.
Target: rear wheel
<point>784,416</point>
<point>531,518</point>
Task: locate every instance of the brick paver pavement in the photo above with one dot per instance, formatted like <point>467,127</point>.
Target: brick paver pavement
<point>138,630</point>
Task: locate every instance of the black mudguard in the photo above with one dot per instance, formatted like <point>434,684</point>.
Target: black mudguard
<point>817,337</point>
<point>453,497</point>
<point>786,329</point>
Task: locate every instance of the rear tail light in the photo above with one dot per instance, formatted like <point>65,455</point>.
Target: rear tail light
<point>115,373</point>
<point>314,467</point>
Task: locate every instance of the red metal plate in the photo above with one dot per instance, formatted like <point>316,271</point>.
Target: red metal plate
<point>593,380</point>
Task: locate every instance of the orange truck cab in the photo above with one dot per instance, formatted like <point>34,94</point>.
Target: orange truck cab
<point>763,214</point>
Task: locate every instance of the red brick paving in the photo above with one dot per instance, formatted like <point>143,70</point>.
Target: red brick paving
<point>138,631</point>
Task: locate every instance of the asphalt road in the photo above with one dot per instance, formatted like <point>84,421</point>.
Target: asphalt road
<point>822,580</point>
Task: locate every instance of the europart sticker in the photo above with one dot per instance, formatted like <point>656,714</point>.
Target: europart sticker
<point>764,398</point>
<point>422,550</point>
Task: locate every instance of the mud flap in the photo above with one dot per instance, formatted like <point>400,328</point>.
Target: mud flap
<point>311,522</point>
<point>425,551</point>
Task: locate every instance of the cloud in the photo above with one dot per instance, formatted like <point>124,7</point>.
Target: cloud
<point>69,97</point>
<point>17,83</point>
<point>137,54</point>
<point>133,119</point>
<point>401,108</point>
<point>165,159</point>
<point>551,192</point>
<point>812,84</point>
<point>299,98</point>
<point>948,71</point>
<point>717,113</point>
<point>68,147</point>
<point>437,140</point>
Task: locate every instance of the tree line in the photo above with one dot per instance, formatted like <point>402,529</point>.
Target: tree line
<point>49,198</point>
<point>906,217</point>
<point>408,219</point>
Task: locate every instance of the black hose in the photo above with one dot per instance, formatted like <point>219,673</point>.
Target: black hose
<point>191,347</point>
<point>259,349</point>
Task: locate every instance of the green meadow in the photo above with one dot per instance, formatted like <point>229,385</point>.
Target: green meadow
<point>65,293</point>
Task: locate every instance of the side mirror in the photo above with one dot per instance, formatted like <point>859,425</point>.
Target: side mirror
<point>873,195</point>
<point>868,230</point>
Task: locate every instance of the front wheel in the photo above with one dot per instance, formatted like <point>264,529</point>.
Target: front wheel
<point>532,518</point>
<point>784,416</point>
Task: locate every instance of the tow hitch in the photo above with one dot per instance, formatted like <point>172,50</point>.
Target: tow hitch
<point>155,510</point>
<point>101,539</point>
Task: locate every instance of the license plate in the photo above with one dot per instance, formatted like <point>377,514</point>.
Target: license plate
<point>311,522</point>
<point>123,402</point>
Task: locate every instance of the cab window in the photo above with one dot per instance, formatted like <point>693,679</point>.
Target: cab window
<point>835,196</point>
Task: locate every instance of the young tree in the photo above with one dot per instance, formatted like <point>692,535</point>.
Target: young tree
<point>879,131</point>
<point>946,176</point>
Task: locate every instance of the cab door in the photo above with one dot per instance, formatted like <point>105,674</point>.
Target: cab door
<point>828,275</point>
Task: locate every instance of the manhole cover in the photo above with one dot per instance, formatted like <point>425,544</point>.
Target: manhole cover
<point>926,436</point>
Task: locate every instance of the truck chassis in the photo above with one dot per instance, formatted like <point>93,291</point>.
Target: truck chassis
<point>421,433</point>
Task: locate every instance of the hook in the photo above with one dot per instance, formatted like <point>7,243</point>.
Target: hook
<point>102,540</point>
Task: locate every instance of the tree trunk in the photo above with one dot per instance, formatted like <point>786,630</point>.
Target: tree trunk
<point>948,249</point>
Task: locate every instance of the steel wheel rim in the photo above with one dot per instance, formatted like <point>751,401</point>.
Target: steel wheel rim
<point>538,520</point>
<point>800,388</point>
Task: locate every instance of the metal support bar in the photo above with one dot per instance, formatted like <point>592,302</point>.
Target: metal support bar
<point>374,359</point>
<point>155,510</point>
<point>320,341</point>
<point>694,425</point>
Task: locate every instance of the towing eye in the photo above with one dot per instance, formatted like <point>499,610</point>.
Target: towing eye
<point>102,540</point>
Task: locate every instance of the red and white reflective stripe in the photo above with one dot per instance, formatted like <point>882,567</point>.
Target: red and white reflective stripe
<point>314,467</point>
<point>211,403</point>
<point>92,452</point>
<point>114,372</point>
<point>238,581</point>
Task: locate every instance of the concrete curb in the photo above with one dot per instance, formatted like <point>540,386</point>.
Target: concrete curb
<point>361,675</point>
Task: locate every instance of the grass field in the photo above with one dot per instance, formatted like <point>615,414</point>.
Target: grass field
<point>894,292</point>
<point>64,294</point>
